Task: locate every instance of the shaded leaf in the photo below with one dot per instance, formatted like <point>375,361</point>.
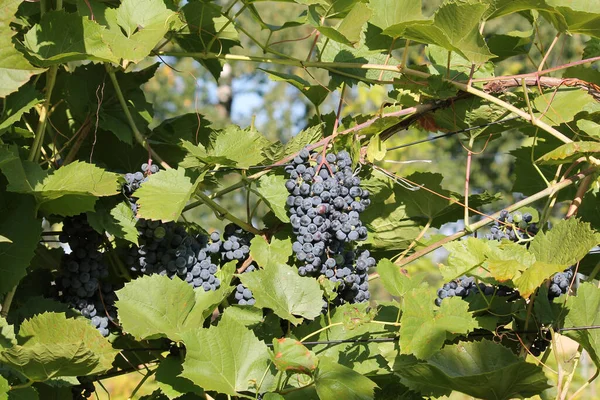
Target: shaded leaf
<point>570,152</point>
<point>482,369</point>
<point>584,310</point>
<point>335,381</point>
<point>169,380</point>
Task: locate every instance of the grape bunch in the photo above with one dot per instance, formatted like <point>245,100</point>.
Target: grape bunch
<point>515,227</point>
<point>235,244</point>
<point>466,285</point>
<point>325,202</point>
<point>84,390</point>
<point>561,282</point>
<point>243,296</point>
<point>82,272</point>
<point>167,248</point>
<point>540,343</point>
<point>135,180</point>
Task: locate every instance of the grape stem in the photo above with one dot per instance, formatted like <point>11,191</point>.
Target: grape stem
<point>7,302</point>
<point>223,213</point>
<point>136,133</point>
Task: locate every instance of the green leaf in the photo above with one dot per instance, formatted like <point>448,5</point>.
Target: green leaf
<point>387,13</point>
<point>271,188</point>
<point>395,282</point>
<point>570,152</point>
<point>118,221</point>
<point>17,104</point>
<point>316,94</point>
<point>455,26</point>
<point>584,310</point>
<point>304,138</point>
<point>566,243</point>
<point>376,149</point>
<point>19,223</point>
<point>7,334</point>
<point>15,70</point>
<point>226,358</point>
<point>164,195</point>
<point>289,355</point>
<point>465,256</point>
<point>562,106</point>
<point>136,27</point>
<point>352,321</point>
<point>62,37</point>
<point>169,380</point>
<point>482,369</point>
<point>50,345</point>
<point>157,306</point>
<point>535,275</point>
<point>589,127</point>
<point>423,331</point>
<point>289,295</point>
<point>510,44</point>
<point>335,381</point>
<point>267,254</point>
<point>4,388</point>
<point>242,148</point>
<point>27,393</point>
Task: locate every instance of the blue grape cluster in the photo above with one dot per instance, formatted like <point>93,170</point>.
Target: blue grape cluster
<point>466,285</point>
<point>81,274</point>
<point>561,282</point>
<point>236,243</point>
<point>243,296</point>
<point>515,227</point>
<point>167,248</point>
<point>325,202</point>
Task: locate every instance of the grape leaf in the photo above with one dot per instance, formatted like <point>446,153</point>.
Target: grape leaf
<point>465,256</point>
<point>226,358</point>
<point>482,369</point>
<point>17,104</point>
<point>590,127</point>
<point>290,355</point>
<point>179,308</point>
<point>118,221</point>
<point>566,243</point>
<point>335,381</point>
<point>352,321</point>
<point>562,106</point>
<point>281,289</point>
<point>170,382</point>
<point>302,139</point>
<point>268,254</point>
<point>271,188</point>
<point>7,334</point>
<point>18,222</point>
<point>136,27</point>
<point>316,94</point>
<point>4,388</point>
<point>584,310</point>
<point>50,345</point>
<point>535,275</point>
<point>396,282</point>
<point>15,70</point>
<point>455,26</point>
<point>60,37</point>
<point>423,331</point>
<point>570,152</point>
<point>241,148</point>
<point>164,195</point>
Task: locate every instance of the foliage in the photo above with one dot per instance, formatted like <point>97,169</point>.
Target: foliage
<point>76,80</point>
